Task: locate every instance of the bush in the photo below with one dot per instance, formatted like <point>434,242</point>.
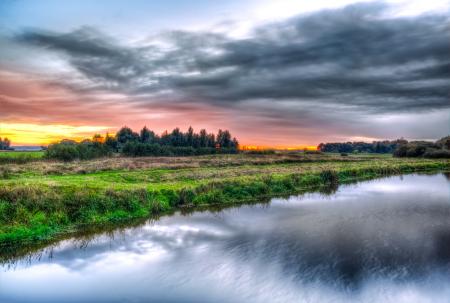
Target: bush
<point>439,149</point>
<point>436,153</point>
<point>444,143</point>
<point>138,149</point>
<point>61,151</point>
<point>414,149</point>
<point>382,147</point>
<point>260,152</point>
<point>400,151</point>
<point>68,150</point>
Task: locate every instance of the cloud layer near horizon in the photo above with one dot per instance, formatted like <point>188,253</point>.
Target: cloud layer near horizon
<point>332,74</point>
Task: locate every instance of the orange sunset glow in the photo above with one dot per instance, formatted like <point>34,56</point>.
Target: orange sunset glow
<point>35,134</point>
<point>293,148</point>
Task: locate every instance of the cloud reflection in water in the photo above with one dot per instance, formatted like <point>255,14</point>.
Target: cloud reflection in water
<point>379,241</point>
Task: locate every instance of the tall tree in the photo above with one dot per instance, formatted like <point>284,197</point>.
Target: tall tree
<point>176,137</point>
<point>111,142</point>
<point>235,143</point>
<point>165,138</point>
<point>203,138</point>
<point>125,134</point>
<point>224,138</point>
<point>146,135</point>
<point>190,137</point>
<point>211,140</point>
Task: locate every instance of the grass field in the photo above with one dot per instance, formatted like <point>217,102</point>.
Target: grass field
<point>43,199</point>
<point>20,157</point>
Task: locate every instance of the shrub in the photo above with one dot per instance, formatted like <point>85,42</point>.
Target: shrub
<point>421,149</point>
<point>364,147</point>
<point>415,150</point>
<point>400,151</point>
<point>436,153</point>
<point>68,150</point>
<point>62,151</point>
<point>260,152</point>
<point>444,143</point>
<point>138,149</point>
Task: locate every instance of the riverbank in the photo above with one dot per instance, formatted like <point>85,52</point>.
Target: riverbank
<point>43,200</point>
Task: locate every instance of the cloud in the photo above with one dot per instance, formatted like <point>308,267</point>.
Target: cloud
<point>353,56</point>
<point>93,54</point>
<point>339,68</point>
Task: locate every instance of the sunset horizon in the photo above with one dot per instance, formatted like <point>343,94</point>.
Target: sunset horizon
<point>25,134</point>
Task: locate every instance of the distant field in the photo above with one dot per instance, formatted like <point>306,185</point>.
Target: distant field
<point>20,156</point>
<point>15,154</point>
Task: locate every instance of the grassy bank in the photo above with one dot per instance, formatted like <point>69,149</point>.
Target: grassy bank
<point>41,200</point>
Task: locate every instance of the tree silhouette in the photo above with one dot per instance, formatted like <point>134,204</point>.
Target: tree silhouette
<point>5,144</point>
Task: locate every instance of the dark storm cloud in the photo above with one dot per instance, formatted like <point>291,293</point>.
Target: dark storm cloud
<point>95,55</point>
<point>354,57</point>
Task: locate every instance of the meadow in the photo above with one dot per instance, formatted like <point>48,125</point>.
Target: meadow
<point>42,200</point>
<point>20,157</point>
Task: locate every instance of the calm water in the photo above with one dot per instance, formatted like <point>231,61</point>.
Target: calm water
<point>386,240</point>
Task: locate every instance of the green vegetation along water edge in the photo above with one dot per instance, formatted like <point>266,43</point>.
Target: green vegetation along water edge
<point>45,199</point>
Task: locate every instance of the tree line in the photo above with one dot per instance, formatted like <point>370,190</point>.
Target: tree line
<point>5,144</point>
<point>146,143</point>
<point>381,147</point>
<point>399,148</point>
<point>425,149</point>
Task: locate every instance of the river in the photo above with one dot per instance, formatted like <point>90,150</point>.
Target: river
<point>384,240</point>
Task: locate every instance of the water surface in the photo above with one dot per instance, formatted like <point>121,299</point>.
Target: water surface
<point>385,240</point>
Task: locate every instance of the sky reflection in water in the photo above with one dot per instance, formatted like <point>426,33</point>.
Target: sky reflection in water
<point>385,240</point>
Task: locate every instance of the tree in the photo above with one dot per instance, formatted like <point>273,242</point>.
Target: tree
<point>226,139</point>
<point>125,134</point>
<point>5,144</point>
<point>363,147</point>
<point>196,141</point>
<point>438,149</point>
<point>235,143</point>
<point>65,150</point>
<point>98,138</point>
<point>203,138</point>
<point>400,150</point>
<point>165,138</point>
<point>146,143</point>
<point>223,139</point>
<point>211,140</point>
<point>111,142</point>
<point>176,137</point>
<point>444,142</point>
<point>190,137</point>
<point>146,135</point>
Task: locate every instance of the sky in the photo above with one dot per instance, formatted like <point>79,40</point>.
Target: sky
<point>278,73</point>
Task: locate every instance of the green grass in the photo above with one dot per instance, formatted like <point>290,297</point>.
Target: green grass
<point>41,201</point>
<point>20,157</point>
